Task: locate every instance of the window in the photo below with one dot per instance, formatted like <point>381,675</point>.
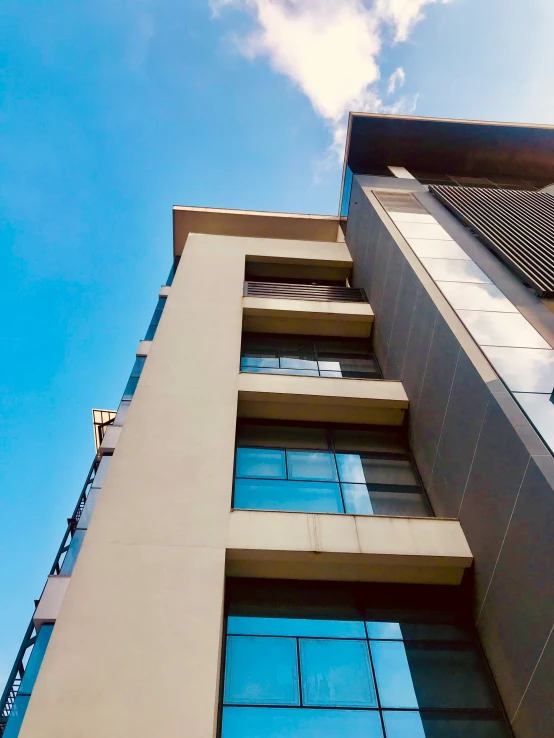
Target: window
<point>335,664</point>
<point>330,470</point>
<point>309,356</point>
<point>347,671</point>
<point>152,328</point>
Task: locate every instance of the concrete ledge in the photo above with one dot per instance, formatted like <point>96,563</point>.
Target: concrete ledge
<point>324,399</point>
<point>346,547</point>
<point>165,289</point>
<point>308,317</point>
<point>110,440</point>
<point>51,600</point>
<point>144,348</point>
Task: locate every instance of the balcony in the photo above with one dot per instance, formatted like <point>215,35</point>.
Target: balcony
<point>292,291</point>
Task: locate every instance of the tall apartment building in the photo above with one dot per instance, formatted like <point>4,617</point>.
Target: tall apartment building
<point>324,508</point>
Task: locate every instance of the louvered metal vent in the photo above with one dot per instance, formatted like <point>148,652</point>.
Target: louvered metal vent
<point>516,225</point>
<point>399,202</point>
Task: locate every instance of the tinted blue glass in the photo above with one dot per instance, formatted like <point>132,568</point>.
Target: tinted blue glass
<point>261,462</point>
<point>311,465</point>
<point>392,671</point>
<point>35,659</point>
<point>404,725</point>
<point>258,361</point>
<point>259,722</point>
<point>384,631</point>
<point>336,673</point>
<point>130,388</point>
<point>350,468</point>
<point>288,363</point>
<point>16,716</point>
<point>295,627</point>
<point>265,494</point>
<point>261,671</point>
<point>452,725</point>
<point>138,366</point>
<point>73,552</point>
<point>356,499</point>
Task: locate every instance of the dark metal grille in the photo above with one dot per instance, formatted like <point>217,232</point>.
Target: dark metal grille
<point>516,225</point>
<point>320,292</point>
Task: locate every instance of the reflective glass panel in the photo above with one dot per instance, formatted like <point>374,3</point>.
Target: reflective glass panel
<point>295,627</point>
<point>437,249</point>
<point>265,494</point>
<point>359,468</point>
<point>501,329</point>
<point>138,366</point>
<point>336,673</point>
<point>467,296</point>
<point>329,366</point>
<point>288,363</point>
<point>260,362</point>
<point>404,725</point>
<point>540,410</point>
<point>452,725</point>
<point>311,465</point>
<point>423,230</point>
<point>130,388</point>
<point>337,374</point>
<point>256,722</point>
<point>392,671</point>
<point>447,675</point>
<point>356,499</point>
<point>410,502</point>
<point>73,552</point>
<point>35,659</point>
<point>261,462</point>
<point>261,671</point>
<point>16,716</point>
<point>455,270</point>
<point>383,631</point>
<point>523,370</point>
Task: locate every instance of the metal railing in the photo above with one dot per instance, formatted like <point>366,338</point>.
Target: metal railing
<point>18,670</point>
<point>321,292</point>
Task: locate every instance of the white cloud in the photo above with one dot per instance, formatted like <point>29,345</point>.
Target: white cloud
<point>330,49</point>
<point>397,79</point>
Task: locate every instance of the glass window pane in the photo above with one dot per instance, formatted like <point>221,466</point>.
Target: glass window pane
<point>379,440</point>
<point>455,270</point>
<point>467,296</point>
<point>130,388</point>
<point>392,671</point>
<point>311,465</point>
<point>384,631</point>
<point>88,509</point>
<point>501,329</point>
<point>288,363</point>
<point>329,366</point>
<point>138,366</point>
<point>259,722</point>
<point>281,436</point>
<point>265,494</point>
<point>73,552</point>
<point>35,659</point>
<point>448,675</point>
<point>350,468</point>
<point>261,671</point>
<point>260,462</point>
<point>16,716</point>
<point>358,468</point>
<point>410,502</point>
<point>356,499</point>
<point>336,673</point>
<point>452,725</point>
<point>259,361</point>
<point>244,625</point>
<point>522,369</point>
<point>404,725</point>
<point>330,374</point>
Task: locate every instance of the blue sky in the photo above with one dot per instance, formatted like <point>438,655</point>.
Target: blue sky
<point>114,110</point>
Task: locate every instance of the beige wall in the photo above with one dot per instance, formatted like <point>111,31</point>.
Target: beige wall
<point>136,648</point>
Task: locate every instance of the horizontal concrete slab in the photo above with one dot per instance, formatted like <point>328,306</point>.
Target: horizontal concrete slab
<point>346,547</point>
<point>324,399</point>
<point>51,600</point>
<point>308,317</point>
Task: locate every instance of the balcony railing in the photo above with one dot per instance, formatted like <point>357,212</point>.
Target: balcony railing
<point>323,293</point>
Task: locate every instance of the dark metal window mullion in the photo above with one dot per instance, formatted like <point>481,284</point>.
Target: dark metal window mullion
<point>299,666</point>
<point>331,445</point>
<point>374,674</point>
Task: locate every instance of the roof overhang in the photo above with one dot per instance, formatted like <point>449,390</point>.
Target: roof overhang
<point>250,223</point>
<point>463,147</point>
